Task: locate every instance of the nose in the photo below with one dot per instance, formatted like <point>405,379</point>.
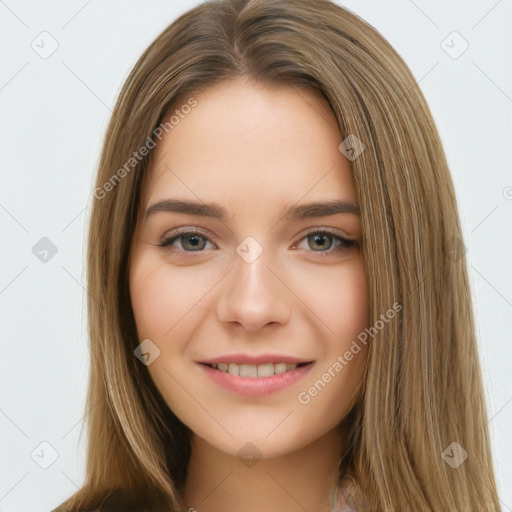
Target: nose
<point>253,296</point>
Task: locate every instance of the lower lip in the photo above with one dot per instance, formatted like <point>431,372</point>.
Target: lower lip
<point>256,386</point>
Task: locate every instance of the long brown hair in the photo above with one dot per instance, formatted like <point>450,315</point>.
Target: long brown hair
<point>422,389</point>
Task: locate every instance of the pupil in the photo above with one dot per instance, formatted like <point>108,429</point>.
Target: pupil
<point>320,237</point>
<point>193,241</point>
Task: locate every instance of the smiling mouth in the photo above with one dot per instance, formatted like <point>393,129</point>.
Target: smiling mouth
<point>253,370</point>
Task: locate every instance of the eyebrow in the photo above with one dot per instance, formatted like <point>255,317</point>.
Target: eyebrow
<point>305,211</point>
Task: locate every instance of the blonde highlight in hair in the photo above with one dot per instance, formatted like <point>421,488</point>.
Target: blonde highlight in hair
<point>423,387</point>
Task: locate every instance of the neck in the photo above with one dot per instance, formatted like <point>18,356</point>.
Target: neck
<point>302,480</point>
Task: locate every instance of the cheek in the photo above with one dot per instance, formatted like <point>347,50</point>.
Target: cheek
<point>351,314</point>
<point>339,298</point>
<point>163,299</point>
<point>163,305</point>
<point>151,300</point>
<point>344,309</point>
<point>350,319</point>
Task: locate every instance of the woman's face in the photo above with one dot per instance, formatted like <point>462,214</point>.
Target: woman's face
<point>264,282</point>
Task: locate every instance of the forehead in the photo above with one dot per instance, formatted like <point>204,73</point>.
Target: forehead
<point>252,145</point>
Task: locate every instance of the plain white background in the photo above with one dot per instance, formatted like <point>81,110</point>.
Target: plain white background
<point>53,116</point>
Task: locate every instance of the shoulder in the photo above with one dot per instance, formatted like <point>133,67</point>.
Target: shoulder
<point>114,500</point>
<point>119,500</point>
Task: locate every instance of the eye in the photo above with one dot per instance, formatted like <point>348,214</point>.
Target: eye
<point>325,242</point>
<point>190,241</point>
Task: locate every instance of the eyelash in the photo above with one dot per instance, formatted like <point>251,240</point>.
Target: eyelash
<point>344,246</point>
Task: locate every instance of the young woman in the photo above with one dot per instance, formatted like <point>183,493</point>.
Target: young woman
<point>278,301</point>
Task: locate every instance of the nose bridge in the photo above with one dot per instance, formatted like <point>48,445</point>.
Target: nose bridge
<point>252,295</point>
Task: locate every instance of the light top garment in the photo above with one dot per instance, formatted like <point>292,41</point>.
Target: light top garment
<point>345,499</point>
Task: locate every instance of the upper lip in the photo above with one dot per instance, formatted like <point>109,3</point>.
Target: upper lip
<point>255,359</point>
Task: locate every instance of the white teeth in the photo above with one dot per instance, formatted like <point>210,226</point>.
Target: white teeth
<point>248,370</point>
<point>280,368</point>
<point>266,370</point>
<point>234,369</point>
<point>252,370</point>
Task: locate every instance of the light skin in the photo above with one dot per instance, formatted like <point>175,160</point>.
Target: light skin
<point>255,151</point>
